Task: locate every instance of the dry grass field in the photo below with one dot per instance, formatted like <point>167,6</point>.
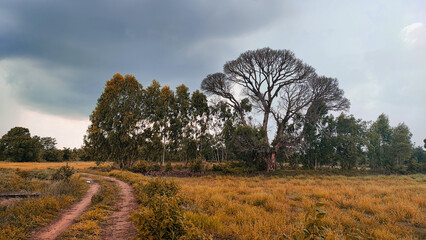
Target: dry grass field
<point>378,207</point>
<point>45,165</point>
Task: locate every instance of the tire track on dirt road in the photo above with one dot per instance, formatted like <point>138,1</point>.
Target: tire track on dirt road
<point>66,219</point>
<point>118,224</point>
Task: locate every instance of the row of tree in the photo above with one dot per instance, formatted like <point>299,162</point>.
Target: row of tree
<point>282,92</point>
<point>17,145</point>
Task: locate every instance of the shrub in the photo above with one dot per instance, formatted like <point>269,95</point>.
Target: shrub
<point>161,215</point>
<point>64,173</point>
<point>140,167</point>
<point>73,187</point>
<point>169,167</point>
<point>196,166</point>
<point>155,167</point>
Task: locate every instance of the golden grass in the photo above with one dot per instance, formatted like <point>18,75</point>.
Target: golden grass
<point>379,207</point>
<point>45,165</point>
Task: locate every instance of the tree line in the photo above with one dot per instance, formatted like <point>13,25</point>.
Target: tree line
<point>17,145</point>
<point>285,94</point>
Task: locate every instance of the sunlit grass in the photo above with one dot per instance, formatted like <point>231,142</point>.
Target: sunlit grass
<point>45,165</point>
<point>380,207</point>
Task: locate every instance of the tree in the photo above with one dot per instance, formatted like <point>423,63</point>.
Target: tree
<point>17,145</point>
<point>350,141</point>
<point>379,139</point>
<point>277,84</point>
<point>400,146</point>
<point>114,133</point>
<point>48,143</point>
<point>250,146</point>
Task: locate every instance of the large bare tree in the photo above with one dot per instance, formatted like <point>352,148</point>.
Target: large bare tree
<point>278,85</point>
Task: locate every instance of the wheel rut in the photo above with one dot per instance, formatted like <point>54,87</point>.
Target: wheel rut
<point>66,219</point>
<point>118,226</point>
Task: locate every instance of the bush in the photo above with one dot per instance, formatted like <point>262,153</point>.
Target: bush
<point>140,167</point>
<point>161,215</point>
<point>155,167</point>
<point>169,167</point>
<point>196,166</point>
<point>64,173</point>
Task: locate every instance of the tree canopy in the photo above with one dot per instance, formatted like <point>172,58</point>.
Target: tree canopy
<point>280,85</point>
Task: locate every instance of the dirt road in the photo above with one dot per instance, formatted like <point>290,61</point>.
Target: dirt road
<point>65,220</point>
<point>118,225</point>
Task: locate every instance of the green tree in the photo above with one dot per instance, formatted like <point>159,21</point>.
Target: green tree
<point>379,139</point>
<point>199,111</point>
<point>350,140</point>
<point>400,146</point>
<point>48,143</point>
<point>250,146</point>
<point>17,145</point>
<point>114,133</point>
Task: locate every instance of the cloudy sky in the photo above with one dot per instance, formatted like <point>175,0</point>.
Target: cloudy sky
<point>55,56</point>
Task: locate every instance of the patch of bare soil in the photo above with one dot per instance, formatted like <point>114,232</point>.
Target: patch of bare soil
<point>65,220</point>
<point>9,202</point>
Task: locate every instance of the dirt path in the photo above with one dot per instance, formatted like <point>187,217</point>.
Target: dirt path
<point>66,219</point>
<point>118,225</point>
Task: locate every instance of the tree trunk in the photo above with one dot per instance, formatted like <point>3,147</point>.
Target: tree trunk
<point>271,161</point>
<point>265,125</point>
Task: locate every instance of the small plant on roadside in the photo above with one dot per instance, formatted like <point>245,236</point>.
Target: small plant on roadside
<point>64,173</point>
<point>161,214</point>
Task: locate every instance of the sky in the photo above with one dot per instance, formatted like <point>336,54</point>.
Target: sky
<point>55,56</point>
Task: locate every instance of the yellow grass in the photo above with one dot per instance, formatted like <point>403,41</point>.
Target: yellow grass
<point>379,207</point>
<point>45,165</point>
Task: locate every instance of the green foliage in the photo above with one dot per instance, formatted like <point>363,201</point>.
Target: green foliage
<point>196,165</point>
<point>52,155</point>
<point>314,227</point>
<point>64,173</point>
<point>161,215</point>
<point>140,167</point>
<point>17,145</point>
<point>168,167</point>
<point>249,145</point>
<point>112,135</point>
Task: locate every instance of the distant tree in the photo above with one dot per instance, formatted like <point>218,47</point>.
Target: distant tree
<point>52,155</point>
<point>400,146</point>
<point>48,143</point>
<point>379,139</point>
<point>350,141</point>
<point>114,133</point>
<point>199,120</point>
<point>17,145</point>
<point>67,154</point>
<point>179,122</point>
<point>419,154</point>
<point>279,85</point>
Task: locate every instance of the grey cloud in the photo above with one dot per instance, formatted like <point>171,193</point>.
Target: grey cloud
<point>95,39</point>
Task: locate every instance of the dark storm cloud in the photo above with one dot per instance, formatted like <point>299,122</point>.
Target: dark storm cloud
<point>91,40</point>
